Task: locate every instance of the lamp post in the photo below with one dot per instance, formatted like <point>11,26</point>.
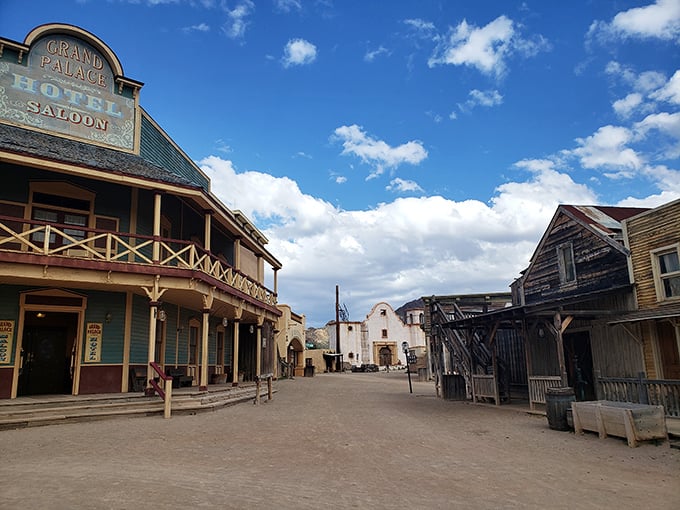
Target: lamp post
<point>404,347</point>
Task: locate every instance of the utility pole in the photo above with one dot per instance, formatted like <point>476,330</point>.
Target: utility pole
<point>337,328</point>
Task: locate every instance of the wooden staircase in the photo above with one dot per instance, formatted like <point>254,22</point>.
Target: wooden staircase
<point>52,409</point>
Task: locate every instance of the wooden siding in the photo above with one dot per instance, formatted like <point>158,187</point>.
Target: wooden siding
<point>647,232</point>
<point>599,265</point>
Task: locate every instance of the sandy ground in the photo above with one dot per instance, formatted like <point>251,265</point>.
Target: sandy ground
<point>334,441</point>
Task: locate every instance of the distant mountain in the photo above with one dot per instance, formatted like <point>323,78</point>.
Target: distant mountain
<point>416,303</point>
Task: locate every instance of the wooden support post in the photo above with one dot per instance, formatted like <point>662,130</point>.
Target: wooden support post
<point>270,391</point>
<point>257,390</point>
<point>168,399</point>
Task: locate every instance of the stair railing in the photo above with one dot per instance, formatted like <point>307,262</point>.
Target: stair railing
<point>166,392</point>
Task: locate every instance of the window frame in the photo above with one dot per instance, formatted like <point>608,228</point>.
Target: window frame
<point>563,264</point>
<point>659,277</point>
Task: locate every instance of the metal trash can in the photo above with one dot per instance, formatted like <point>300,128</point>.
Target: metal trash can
<point>557,401</point>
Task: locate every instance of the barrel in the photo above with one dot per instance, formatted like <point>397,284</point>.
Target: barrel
<point>557,401</point>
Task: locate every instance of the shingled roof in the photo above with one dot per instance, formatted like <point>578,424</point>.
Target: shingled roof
<point>53,148</point>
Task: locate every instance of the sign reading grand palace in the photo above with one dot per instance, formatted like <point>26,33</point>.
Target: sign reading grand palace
<point>66,85</point>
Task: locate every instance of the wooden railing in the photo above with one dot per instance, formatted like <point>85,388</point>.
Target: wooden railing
<point>53,239</point>
<point>640,390</point>
<point>538,384</point>
<point>166,392</point>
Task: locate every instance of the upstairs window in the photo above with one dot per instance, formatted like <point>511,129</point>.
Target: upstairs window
<point>384,333</point>
<point>565,263</point>
<point>666,270</point>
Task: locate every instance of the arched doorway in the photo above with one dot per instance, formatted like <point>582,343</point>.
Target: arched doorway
<point>295,361</point>
<point>385,356</point>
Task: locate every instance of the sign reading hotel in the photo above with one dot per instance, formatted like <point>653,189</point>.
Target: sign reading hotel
<point>66,86</point>
<point>93,342</point>
<point>6,339</point>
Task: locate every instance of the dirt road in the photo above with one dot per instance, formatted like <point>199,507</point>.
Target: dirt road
<point>334,441</point>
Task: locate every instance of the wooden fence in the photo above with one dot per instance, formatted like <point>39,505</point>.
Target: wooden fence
<point>662,392</point>
<point>538,384</point>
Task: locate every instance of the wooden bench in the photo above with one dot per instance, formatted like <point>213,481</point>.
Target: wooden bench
<point>179,378</point>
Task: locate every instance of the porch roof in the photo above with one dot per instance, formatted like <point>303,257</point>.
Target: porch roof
<point>55,148</point>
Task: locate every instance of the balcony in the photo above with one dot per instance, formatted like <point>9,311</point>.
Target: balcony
<point>109,250</point>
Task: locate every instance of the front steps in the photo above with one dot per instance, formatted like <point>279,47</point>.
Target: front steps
<point>52,409</point>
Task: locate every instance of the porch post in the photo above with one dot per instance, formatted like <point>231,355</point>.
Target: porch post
<point>237,253</point>
<point>258,348</point>
<point>156,228</point>
<point>234,354</point>
<point>527,356</point>
<point>276,281</point>
<point>153,313</point>
<point>207,230</point>
<point>557,320</point>
<point>203,384</point>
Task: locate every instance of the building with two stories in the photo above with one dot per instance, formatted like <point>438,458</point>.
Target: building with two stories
<point>115,254</point>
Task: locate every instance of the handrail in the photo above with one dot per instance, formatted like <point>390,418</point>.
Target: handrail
<point>38,237</point>
<point>166,392</point>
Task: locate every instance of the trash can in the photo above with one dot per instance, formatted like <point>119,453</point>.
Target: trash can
<point>309,371</point>
<point>557,401</point>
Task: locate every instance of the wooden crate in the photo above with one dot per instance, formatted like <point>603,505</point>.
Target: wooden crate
<point>635,422</point>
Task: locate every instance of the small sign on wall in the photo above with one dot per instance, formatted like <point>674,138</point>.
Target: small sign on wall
<point>93,342</point>
<point>6,339</point>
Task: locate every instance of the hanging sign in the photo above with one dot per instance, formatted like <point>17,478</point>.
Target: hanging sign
<point>6,339</point>
<point>93,342</point>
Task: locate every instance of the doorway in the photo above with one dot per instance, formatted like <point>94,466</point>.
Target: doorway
<point>47,353</point>
<point>385,355</point>
<point>578,358</point>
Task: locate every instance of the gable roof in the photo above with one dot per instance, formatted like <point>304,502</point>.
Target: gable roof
<point>603,221</point>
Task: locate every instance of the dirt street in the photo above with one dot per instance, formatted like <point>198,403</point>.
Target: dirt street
<point>334,441</point>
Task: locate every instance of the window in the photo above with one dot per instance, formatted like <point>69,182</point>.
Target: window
<point>64,209</point>
<point>666,269</point>
<point>383,311</point>
<point>384,333</point>
<point>565,263</point>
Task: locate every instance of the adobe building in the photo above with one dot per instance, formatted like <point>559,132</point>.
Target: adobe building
<point>114,253</point>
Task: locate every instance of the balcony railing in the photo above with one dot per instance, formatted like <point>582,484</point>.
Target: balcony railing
<point>70,241</point>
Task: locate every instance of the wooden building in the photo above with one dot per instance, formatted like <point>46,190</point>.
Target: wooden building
<point>115,255</point>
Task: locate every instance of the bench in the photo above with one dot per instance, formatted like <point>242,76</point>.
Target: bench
<point>179,378</point>
<point>137,378</point>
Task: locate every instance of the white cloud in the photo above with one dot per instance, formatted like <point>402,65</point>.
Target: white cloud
<point>670,92</point>
<point>370,56</point>
<point>486,98</point>
<point>378,153</point>
<point>395,251</point>
<point>607,149</point>
<point>288,5</point>
<point>298,52</point>
<point>486,48</point>
<point>421,27</point>
<point>235,27</point>
<point>202,27</point>
<point>667,124</point>
<point>659,20</point>
<point>403,186</point>
<point>626,106</point>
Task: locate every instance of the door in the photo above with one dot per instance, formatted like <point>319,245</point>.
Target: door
<point>668,350</point>
<point>578,359</point>
<point>385,356</point>
<point>47,359</point>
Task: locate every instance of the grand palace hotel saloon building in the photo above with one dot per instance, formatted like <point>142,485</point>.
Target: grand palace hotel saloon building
<point>114,253</point>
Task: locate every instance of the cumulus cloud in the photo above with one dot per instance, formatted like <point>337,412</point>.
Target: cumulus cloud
<point>607,149</point>
<point>406,248</point>
<point>670,92</point>
<point>237,19</point>
<point>377,153</point>
<point>659,20</point>
<point>487,48</point>
<point>298,52</point>
<point>403,186</point>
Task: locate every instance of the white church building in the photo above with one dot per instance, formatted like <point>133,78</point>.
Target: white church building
<point>379,337</point>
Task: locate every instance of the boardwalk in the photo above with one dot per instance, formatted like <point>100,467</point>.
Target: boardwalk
<point>334,441</point>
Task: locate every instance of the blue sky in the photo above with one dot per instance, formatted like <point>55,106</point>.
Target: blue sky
<point>402,148</point>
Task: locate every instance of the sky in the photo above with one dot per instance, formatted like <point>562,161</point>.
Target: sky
<point>400,149</point>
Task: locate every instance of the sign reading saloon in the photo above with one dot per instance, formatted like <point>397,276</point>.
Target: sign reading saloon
<point>67,87</point>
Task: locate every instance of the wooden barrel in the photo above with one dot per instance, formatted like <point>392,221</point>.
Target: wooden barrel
<point>557,401</point>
